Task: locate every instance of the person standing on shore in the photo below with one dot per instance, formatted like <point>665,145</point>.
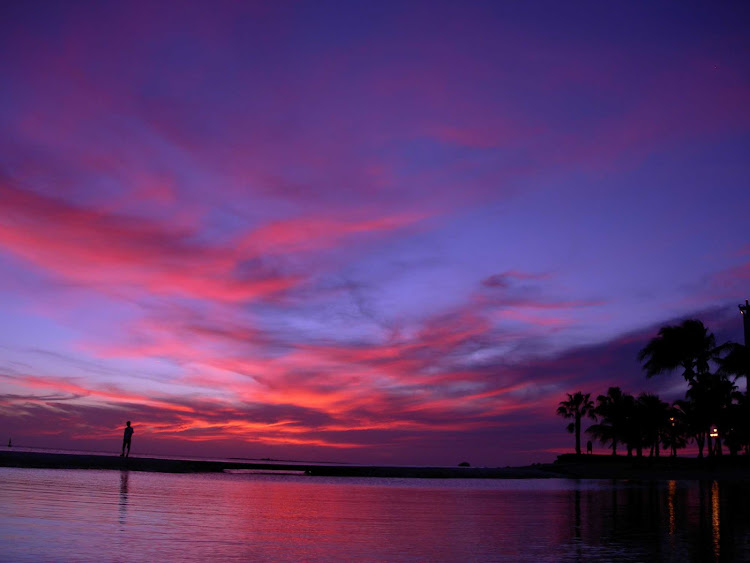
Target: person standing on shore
<point>126,439</point>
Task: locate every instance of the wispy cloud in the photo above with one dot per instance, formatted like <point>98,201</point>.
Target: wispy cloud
<point>401,237</point>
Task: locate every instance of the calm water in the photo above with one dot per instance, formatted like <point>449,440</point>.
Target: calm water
<point>63,515</point>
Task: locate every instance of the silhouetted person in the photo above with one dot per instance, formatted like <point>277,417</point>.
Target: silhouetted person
<point>589,447</point>
<point>126,439</point>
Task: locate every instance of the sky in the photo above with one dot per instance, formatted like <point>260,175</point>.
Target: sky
<point>368,232</point>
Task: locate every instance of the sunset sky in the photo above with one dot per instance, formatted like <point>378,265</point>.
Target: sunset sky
<point>376,232</point>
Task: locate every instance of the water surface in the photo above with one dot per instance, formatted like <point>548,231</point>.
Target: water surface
<point>66,515</point>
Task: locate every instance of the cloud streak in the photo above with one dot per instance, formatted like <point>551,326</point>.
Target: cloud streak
<point>397,236</point>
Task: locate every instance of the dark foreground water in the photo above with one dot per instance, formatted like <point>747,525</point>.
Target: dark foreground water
<point>65,515</point>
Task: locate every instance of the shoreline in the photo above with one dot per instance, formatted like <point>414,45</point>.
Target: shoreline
<point>567,466</point>
<point>39,460</point>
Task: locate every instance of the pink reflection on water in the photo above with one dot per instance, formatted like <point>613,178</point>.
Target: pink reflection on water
<point>64,515</point>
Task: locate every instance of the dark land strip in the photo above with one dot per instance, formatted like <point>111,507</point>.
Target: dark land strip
<point>566,466</point>
<point>81,461</point>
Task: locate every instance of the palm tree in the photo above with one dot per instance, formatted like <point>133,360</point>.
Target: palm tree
<point>612,411</point>
<point>605,433</point>
<point>576,407</point>
<point>654,418</point>
<point>695,423</point>
<point>711,395</point>
<point>688,345</point>
<point>691,347</point>
<point>736,361</point>
<point>676,435</point>
<point>734,427</point>
<point>634,428</point>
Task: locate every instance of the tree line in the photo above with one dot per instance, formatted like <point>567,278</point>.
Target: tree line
<point>714,414</point>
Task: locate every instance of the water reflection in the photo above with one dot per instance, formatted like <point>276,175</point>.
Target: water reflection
<point>577,536</point>
<point>123,503</point>
<point>715,520</point>
<point>672,491</point>
<point>671,488</point>
<point>74,515</point>
<point>672,521</point>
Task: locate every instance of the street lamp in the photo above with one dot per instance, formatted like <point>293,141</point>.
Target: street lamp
<point>745,312</point>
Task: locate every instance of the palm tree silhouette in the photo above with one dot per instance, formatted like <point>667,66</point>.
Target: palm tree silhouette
<point>576,407</point>
<point>688,345</point>
<point>692,347</point>
<point>613,411</point>
<point>711,396</point>
<point>654,415</point>
<point>736,361</point>
<point>694,423</point>
<point>713,408</point>
<point>677,434</point>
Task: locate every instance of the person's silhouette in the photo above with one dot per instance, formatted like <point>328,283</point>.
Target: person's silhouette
<point>126,439</point>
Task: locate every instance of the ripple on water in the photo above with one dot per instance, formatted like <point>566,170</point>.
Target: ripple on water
<point>93,515</point>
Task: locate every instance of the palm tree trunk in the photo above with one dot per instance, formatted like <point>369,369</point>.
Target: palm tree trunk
<point>700,439</point>
<point>578,434</point>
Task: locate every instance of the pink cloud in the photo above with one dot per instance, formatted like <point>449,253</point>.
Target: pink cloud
<point>312,233</point>
<point>111,394</point>
<point>357,414</point>
<point>104,249</point>
<point>213,194</point>
<point>537,320</point>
